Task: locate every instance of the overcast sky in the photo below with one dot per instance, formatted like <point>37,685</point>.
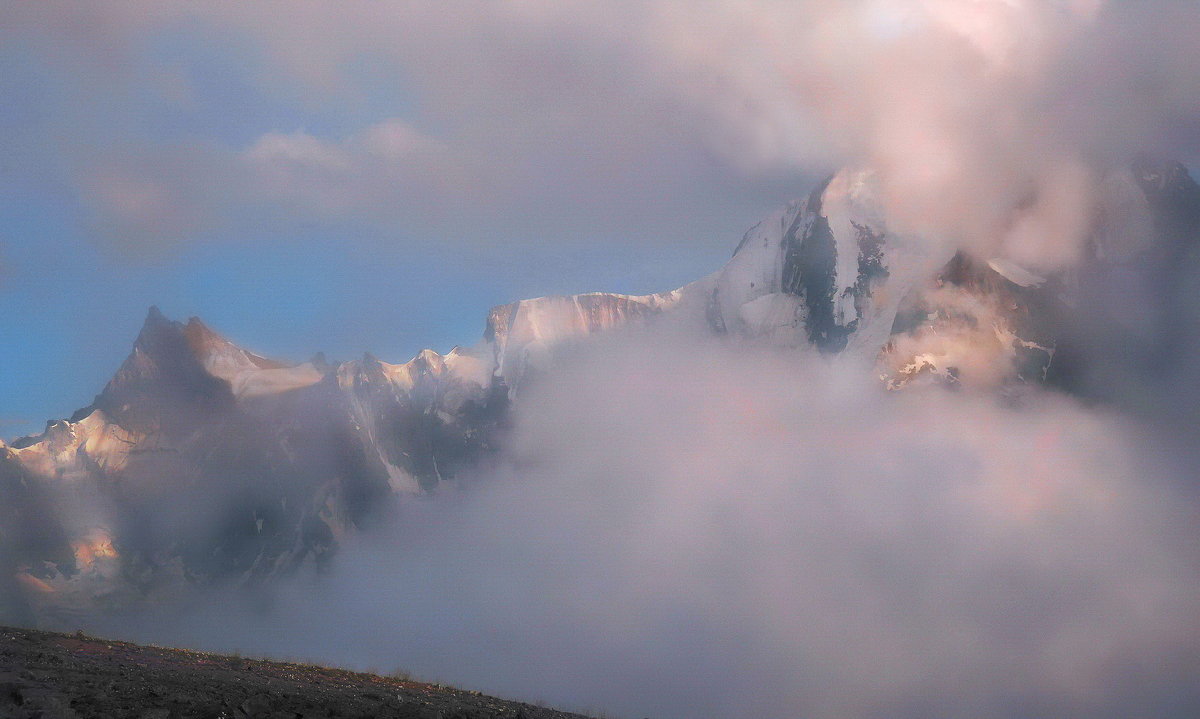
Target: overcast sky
<point>348,177</point>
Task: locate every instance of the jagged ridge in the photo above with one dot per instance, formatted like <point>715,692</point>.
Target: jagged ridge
<point>264,465</point>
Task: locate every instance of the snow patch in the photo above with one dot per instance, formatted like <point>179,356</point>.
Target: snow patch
<point>1014,273</point>
<point>756,269</point>
<point>777,318</point>
<point>260,382</point>
<point>522,333</point>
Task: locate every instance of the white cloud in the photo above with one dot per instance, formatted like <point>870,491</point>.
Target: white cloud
<point>386,170</point>
<point>298,149</point>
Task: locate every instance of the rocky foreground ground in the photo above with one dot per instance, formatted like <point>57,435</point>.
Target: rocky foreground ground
<point>43,674</point>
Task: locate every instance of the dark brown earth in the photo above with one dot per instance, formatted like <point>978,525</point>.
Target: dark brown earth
<point>43,674</point>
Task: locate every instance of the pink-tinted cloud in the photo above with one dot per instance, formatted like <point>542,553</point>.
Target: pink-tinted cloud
<point>991,123</point>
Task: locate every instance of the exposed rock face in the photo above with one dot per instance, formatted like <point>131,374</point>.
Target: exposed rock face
<point>201,461</point>
<point>825,272</point>
<point>1096,329</point>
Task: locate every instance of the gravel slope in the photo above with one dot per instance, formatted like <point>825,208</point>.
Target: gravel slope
<point>43,674</point>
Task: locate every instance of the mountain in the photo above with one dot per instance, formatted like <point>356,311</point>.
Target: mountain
<point>203,462</point>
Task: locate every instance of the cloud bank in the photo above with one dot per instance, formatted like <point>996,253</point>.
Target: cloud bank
<point>687,529</point>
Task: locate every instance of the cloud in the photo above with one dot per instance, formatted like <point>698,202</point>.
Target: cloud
<point>684,528</point>
<point>986,125</point>
<point>544,129</point>
<point>146,200</point>
<point>387,170</point>
<point>992,124</point>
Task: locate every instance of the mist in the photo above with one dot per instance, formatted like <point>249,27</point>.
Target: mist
<point>686,528</point>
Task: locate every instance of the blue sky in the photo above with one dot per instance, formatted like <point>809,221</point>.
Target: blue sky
<point>389,221</point>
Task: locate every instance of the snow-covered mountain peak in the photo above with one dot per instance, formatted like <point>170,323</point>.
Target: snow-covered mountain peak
<point>221,358</point>
<point>824,272</point>
<point>522,332</point>
<point>320,443</point>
